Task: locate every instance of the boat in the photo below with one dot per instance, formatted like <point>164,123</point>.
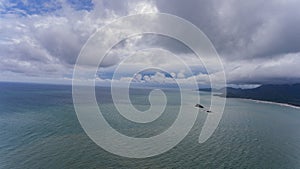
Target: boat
<point>202,108</point>
<point>199,106</point>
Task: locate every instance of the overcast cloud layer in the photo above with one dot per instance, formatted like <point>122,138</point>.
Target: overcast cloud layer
<point>258,41</point>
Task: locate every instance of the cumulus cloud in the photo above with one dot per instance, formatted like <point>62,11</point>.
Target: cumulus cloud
<point>258,41</point>
<point>47,39</point>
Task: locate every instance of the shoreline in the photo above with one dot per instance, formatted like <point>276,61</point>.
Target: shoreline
<point>270,102</point>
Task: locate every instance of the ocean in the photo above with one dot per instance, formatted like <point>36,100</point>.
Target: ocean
<point>39,129</point>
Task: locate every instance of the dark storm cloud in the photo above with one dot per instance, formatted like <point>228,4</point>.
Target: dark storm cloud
<point>258,41</point>
<point>243,29</point>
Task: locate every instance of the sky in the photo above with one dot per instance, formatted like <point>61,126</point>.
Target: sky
<point>258,41</point>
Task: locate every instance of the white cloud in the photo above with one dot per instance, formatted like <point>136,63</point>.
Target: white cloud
<point>143,7</point>
<point>262,48</point>
<point>283,69</point>
<point>48,44</point>
<point>180,75</point>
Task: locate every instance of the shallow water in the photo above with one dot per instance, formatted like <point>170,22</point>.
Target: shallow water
<point>39,129</point>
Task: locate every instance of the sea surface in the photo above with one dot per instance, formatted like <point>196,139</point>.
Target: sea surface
<point>39,129</point>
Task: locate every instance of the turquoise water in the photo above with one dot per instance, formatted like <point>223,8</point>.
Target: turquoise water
<point>39,129</point>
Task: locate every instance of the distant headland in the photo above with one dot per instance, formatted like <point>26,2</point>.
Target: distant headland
<point>286,93</point>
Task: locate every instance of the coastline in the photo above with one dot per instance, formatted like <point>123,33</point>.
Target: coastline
<point>270,102</point>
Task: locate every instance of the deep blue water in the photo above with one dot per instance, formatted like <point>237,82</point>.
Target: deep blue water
<point>39,129</point>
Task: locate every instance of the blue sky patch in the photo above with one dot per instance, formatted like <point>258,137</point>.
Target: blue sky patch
<point>31,7</point>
